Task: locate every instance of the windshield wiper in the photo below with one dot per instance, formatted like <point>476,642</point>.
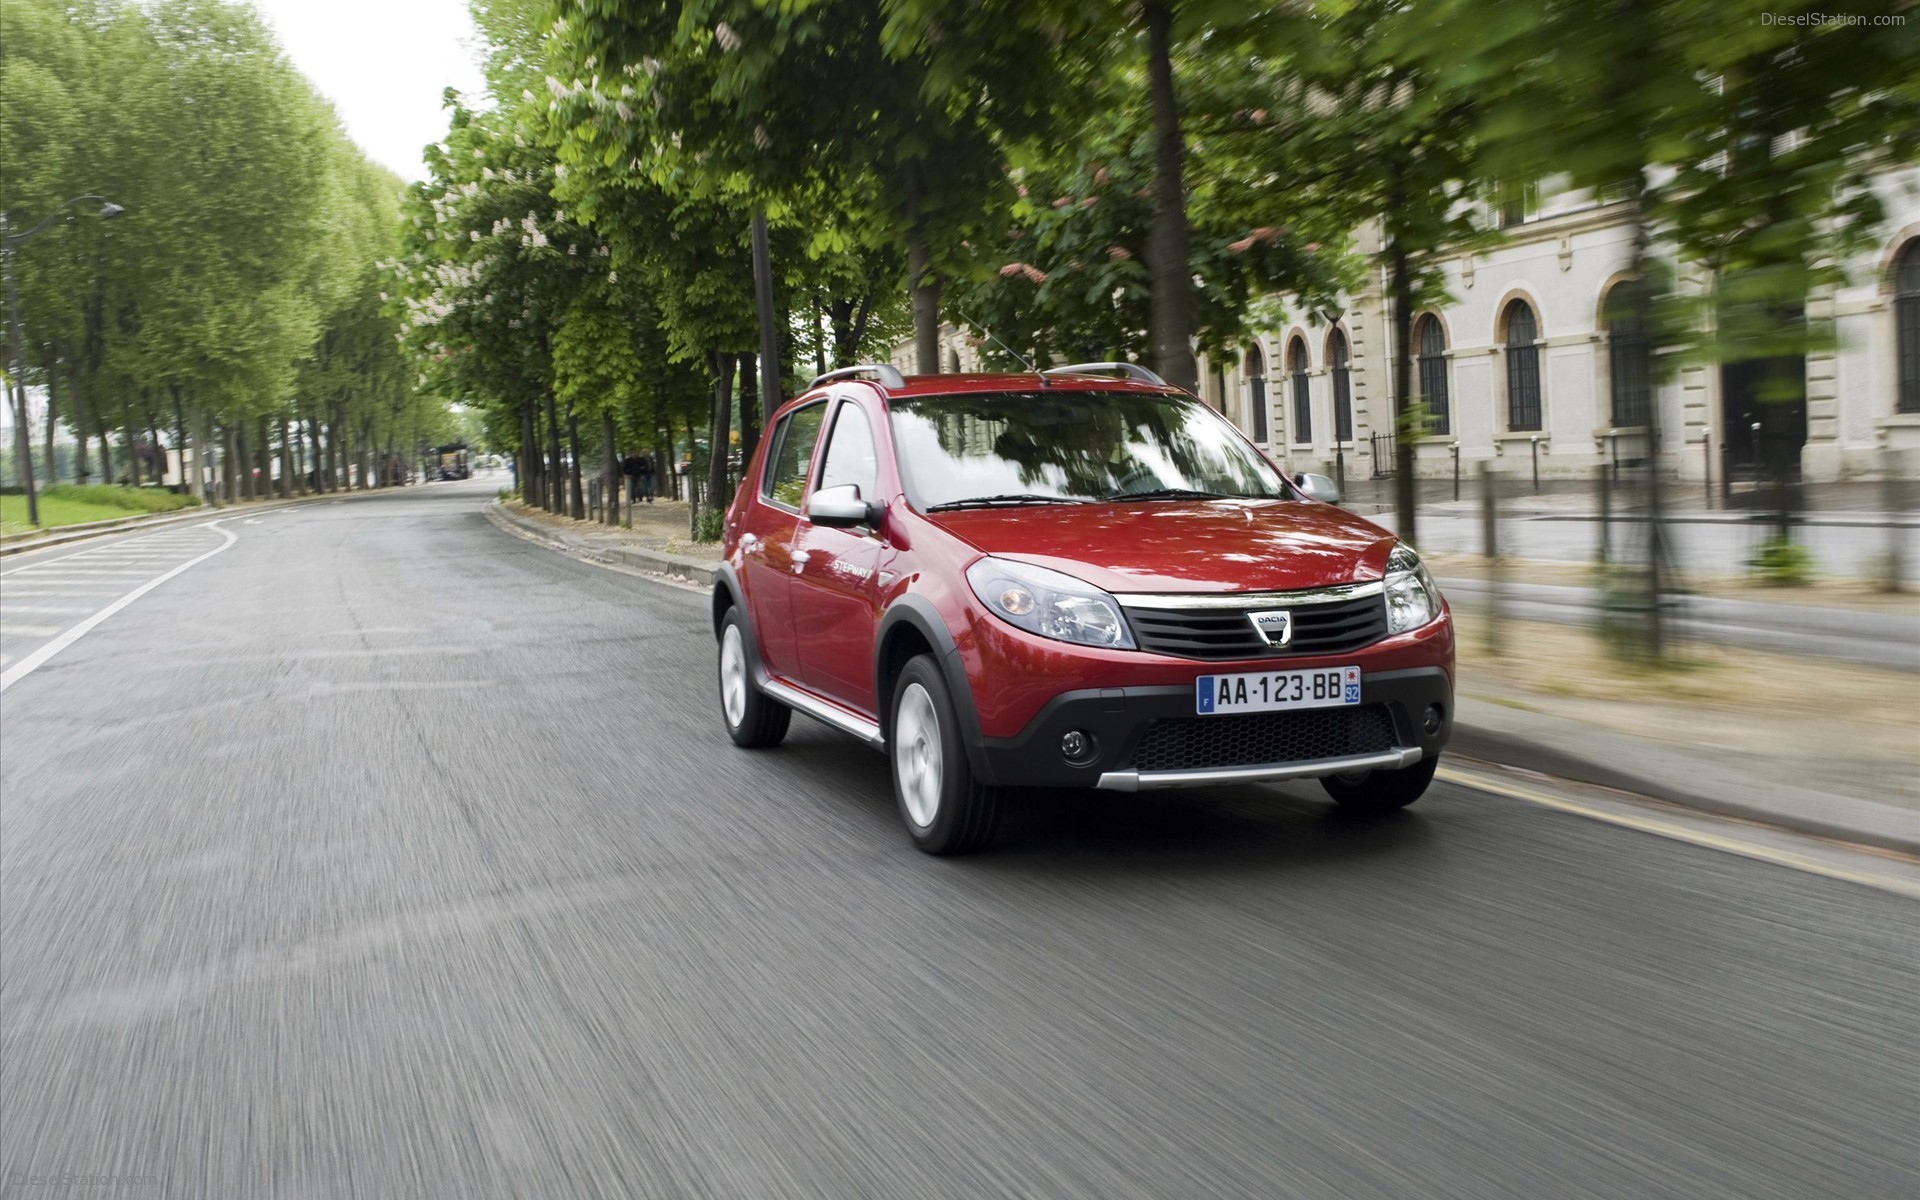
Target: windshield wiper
<point>1170,493</point>
<point>1010,498</point>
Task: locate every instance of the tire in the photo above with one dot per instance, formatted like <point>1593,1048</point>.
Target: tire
<point>753,720</point>
<point>1374,792</point>
<point>946,810</point>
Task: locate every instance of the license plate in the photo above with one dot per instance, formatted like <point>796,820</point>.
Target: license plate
<point>1275,691</point>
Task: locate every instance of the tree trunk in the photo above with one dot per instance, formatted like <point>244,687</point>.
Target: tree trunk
<point>556,464</point>
<point>576,495</point>
<point>244,460</point>
<point>82,468</point>
<point>922,284</point>
<point>769,391</point>
<point>106,458</point>
<point>1171,311</point>
<point>53,413</point>
<point>819,340</point>
<point>229,464</point>
<point>193,475</point>
<point>526,475</point>
<point>1406,426</point>
<point>612,477</point>
<point>719,433</point>
<point>749,408</point>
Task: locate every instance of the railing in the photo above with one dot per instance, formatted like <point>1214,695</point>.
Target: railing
<point>1386,458</point>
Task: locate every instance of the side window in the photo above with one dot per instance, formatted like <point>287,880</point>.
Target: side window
<point>786,479</point>
<point>850,457</point>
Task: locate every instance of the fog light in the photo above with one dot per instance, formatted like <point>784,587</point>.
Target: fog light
<point>1077,745</point>
<point>1434,719</point>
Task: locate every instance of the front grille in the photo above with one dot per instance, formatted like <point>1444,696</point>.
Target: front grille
<point>1330,627</point>
<point>1262,739</point>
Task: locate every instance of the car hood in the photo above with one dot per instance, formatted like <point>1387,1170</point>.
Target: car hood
<point>1184,546</point>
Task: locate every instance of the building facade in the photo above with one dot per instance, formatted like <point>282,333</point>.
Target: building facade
<point>1526,361</point>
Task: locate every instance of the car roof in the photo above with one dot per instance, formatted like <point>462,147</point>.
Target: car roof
<point>983,381</point>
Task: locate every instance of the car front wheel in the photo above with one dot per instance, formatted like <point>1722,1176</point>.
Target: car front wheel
<point>753,720</point>
<point>946,809</point>
<point>1371,792</point>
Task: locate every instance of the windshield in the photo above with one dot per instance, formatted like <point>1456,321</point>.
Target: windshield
<point>1071,446</point>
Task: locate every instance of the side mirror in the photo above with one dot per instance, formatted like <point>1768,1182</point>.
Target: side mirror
<point>1318,487</point>
<point>839,507</point>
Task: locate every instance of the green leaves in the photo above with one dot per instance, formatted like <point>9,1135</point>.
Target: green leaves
<point>252,225</point>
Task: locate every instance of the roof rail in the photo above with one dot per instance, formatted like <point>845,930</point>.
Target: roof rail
<point>889,376</point>
<point>1130,370</point>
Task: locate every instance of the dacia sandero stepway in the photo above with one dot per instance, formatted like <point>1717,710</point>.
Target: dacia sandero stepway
<point>1078,579</point>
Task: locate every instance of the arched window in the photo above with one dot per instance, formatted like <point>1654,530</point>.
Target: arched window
<point>1432,341</point>
<point>1342,387</point>
<point>1302,402</point>
<point>1257,391</point>
<point>1906,319</point>
<point>1523,368</point>
<point>1629,356</point>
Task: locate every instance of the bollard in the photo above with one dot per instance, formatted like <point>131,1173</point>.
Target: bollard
<point>1706,455</point>
<point>1892,496</point>
<point>1606,515</point>
<point>1490,544</point>
<point>1535,442</point>
<point>1456,471</point>
<point>1340,466</point>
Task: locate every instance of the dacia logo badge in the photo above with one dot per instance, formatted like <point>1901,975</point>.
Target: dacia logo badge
<point>1274,627</point>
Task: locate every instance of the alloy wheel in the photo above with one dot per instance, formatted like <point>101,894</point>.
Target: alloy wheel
<point>733,677</point>
<point>918,762</point>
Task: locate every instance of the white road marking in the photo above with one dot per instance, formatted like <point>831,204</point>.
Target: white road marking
<point>34,661</point>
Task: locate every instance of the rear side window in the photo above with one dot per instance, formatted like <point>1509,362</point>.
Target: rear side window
<point>850,457</point>
<point>786,479</point>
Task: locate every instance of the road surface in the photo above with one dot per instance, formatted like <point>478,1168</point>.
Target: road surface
<point>381,853</point>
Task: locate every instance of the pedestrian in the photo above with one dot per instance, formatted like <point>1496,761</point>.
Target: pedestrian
<point>630,467</point>
<point>646,477</point>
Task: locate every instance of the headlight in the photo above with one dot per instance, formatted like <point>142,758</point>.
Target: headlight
<point>1412,599</point>
<point>1049,604</point>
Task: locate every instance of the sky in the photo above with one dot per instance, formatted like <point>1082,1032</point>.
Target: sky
<point>383,63</point>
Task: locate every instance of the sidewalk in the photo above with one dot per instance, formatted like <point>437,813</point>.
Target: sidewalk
<point>1821,747</point>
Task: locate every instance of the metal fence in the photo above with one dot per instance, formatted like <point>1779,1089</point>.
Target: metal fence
<point>1385,456</point>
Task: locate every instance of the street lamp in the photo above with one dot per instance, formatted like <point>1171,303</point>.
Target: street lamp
<point>10,244</point>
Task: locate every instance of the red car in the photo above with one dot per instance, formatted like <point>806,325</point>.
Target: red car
<point>1083,578</point>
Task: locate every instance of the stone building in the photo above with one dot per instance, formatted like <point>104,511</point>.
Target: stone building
<point>1523,360</point>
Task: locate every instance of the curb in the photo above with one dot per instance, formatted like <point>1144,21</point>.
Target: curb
<point>659,562</point>
<point>1509,751</point>
<point>60,535</point>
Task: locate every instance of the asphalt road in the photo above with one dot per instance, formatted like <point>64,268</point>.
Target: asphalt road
<point>384,854</point>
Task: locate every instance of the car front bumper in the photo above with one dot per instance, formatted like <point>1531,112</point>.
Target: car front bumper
<point>1118,718</point>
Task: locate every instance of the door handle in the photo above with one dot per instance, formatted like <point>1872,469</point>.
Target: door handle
<point>800,558</point>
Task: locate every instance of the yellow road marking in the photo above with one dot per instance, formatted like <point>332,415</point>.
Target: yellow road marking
<point>1668,829</point>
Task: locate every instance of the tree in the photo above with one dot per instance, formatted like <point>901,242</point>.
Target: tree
<point>248,224</point>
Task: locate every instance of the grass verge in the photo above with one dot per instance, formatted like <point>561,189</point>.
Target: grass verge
<point>72,504</point>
